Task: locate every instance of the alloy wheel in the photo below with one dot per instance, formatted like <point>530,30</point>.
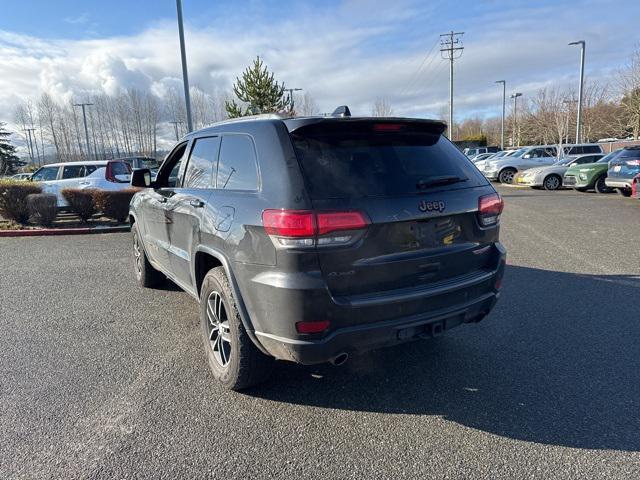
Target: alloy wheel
<point>552,183</point>
<point>218,329</point>
<point>137,254</point>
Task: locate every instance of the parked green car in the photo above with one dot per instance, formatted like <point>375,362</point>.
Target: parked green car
<point>590,176</point>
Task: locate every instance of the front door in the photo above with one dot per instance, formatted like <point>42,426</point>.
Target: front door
<point>156,221</point>
<point>187,205</point>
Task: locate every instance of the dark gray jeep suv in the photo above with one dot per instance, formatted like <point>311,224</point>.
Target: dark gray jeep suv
<point>312,238</point>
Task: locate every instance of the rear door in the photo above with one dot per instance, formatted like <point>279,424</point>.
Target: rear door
<point>187,202</point>
<point>418,191</point>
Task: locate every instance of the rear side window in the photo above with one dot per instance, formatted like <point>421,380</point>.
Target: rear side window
<point>339,163</point>
<point>591,149</point>
<point>237,165</point>
<point>120,168</point>
<point>199,172</point>
<point>73,171</point>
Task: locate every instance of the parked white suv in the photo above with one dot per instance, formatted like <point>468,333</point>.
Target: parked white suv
<point>101,175</point>
<point>505,169</point>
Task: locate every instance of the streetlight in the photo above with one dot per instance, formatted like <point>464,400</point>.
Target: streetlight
<point>185,75</point>
<point>515,118</point>
<point>579,121</point>
<point>504,93</point>
<point>291,90</point>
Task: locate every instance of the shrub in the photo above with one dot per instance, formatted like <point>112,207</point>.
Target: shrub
<point>13,199</point>
<point>114,204</point>
<point>80,202</point>
<point>43,208</point>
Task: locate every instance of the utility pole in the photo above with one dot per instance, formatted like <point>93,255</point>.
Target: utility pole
<point>579,120</point>
<point>185,75</point>
<point>451,50</point>
<point>30,144</point>
<point>515,115</point>
<point>291,90</point>
<point>86,130</point>
<point>504,96</point>
<point>175,124</point>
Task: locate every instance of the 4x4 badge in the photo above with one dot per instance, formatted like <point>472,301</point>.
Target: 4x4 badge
<point>435,206</point>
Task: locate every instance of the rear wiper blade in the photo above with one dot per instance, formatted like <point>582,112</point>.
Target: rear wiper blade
<point>436,181</point>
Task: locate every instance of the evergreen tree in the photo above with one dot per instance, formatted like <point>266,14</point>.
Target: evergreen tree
<point>9,161</point>
<point>259,91</point>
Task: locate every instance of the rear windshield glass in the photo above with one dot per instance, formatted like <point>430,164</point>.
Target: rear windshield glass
<point>349,164</point>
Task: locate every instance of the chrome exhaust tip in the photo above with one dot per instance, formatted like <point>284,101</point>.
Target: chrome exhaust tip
<point>339,359</point>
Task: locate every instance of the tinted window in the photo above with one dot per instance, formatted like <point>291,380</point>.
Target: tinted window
<point>630,153</point>
<point>120,168</point>
<point>237,166</point>
<point>591,149</point>
<point>89,169</point>
<point>73,171</point>
<point>45,174</point>
<point>339,164</point>
<point>199,172</point>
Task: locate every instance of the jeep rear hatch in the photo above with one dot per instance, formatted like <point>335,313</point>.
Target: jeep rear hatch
<point>417,193</point>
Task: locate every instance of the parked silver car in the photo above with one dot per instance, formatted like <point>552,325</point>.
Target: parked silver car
<point>550,178</point>
<point>505,169</point>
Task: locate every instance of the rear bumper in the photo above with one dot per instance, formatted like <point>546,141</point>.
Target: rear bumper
<point>618,182</point>
<point>362,338</point>
<point>365,322</point>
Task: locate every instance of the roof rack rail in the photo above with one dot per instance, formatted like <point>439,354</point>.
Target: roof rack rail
<point>261,116</point>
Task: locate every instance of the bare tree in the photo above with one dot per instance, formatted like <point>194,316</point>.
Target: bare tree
<point>307,106</point>
<point>381,108</point>
<point>629,83</point>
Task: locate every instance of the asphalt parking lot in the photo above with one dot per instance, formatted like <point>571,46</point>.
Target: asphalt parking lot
<point>100,379</point>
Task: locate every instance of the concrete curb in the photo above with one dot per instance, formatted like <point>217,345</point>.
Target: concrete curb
<point>36,232</point>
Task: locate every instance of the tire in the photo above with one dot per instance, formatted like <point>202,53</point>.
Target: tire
<point>233,358</point>
<point>600,187</point>
<point>625,192</point>
<point>146,275</point>
<point>552,182</point>
<point>506,175</point>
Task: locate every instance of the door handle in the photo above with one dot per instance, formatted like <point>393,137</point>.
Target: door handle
<point>196,203</point>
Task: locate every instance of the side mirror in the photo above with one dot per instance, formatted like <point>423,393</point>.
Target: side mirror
<point>528,155</point>
<point>141,178</point>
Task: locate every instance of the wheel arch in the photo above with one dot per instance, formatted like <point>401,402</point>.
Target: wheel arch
<point>204,259</point>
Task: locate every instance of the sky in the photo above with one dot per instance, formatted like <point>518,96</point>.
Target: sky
<point>341,52</point>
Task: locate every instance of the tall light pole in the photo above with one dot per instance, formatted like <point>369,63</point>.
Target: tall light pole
<point>579,120</point>
<point>504,99</point>
<point>515,116</point>
<point>185,75</point>
<point>451,50</point>
<point>86,130</point>
<point>291,90</point>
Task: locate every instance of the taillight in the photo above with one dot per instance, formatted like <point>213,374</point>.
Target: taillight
<point>633,163</point>
<point>109,176</point>
<point>304,228</point>
<point>489,209</point>
<point>312,327</point>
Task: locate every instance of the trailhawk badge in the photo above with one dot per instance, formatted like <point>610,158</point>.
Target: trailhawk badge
<point>435,206</point>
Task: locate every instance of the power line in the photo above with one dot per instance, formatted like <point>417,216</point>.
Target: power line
<point>417,73</point>
<point>451,50</point>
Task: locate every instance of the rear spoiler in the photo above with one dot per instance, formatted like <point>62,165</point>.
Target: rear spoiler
<point>366,124</point>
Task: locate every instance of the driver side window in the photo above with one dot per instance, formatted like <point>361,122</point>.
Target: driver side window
<point>170,169</point>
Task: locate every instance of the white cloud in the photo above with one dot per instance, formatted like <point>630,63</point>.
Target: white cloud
<point>78,19</point>
<point>352,55</point>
